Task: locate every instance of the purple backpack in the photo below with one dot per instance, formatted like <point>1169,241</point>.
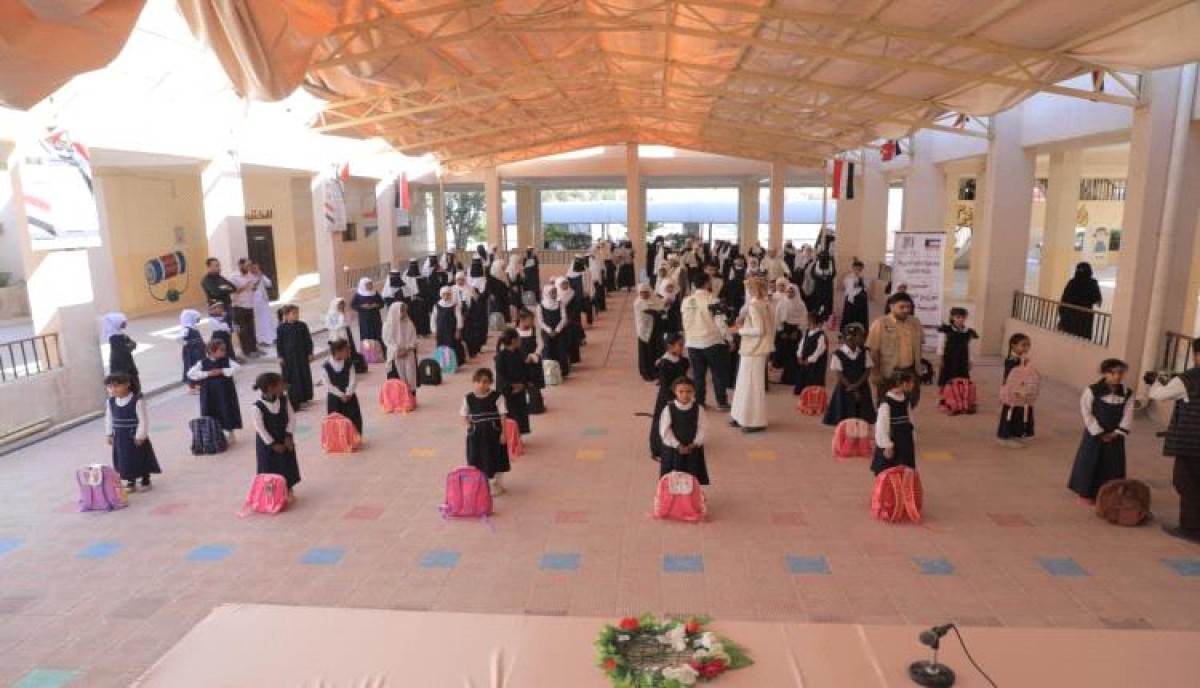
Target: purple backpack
<point>468,494</point>
<point>100,489</point>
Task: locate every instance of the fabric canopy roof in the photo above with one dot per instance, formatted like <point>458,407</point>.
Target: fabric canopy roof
<point>480,82</point>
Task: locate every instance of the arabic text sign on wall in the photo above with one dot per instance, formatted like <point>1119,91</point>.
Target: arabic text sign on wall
<point>918,260</point>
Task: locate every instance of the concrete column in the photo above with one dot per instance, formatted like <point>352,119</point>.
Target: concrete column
<point>924,186</point>
<point>1058,236</point>
<point>536,220</point>
<point>1001,235</point>
<point>385,211</point>
<point>439,220</point>
<point>1149,158</point>
<point>419,240</point>
<point>328,246</point>
<point>527,196</point>
<point>493,207</point>
<point>775,216</point>
<point>748,210</point>
<point>100,260</point>
<point>862,221</point>
<point>635,204</point>
<point>225,210</point>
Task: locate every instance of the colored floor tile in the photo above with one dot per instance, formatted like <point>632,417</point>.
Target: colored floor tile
<point>210,553</point>
<point>439,559</point>
<point>683,563</point>
<point>1184,567</point>
<point>1061,566</point>
<point>323,556</point>
<point>363,513</point>
<point>807,565</point>
<point>8,545</point>
<point>46,678</point>
<point>100,550</point>
<point>422,453</point>
<point>559,561</point>
<point>571,517</point>
<point>595,432</point>
<point>589,454</point>
<point>1010,520</point>
<point>789,518</point>
<point>934,567</point>
<point>762,455</point>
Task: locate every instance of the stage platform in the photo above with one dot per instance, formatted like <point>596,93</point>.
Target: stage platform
<point>269,646</point>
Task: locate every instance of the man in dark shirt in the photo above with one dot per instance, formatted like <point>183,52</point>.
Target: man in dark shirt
<point>217,288</point>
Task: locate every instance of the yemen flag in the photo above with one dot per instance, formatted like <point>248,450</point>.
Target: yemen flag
<point>843,180</point>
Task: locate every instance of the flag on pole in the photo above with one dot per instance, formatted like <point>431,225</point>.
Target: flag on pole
<point>843,180</point>
<point>1097,81</point>
<point>889,150</point>
<point>344,172</point>
<point>402,200</point>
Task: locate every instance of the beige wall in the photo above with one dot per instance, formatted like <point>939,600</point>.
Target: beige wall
<point>289,200</point>
<point>360,209</point>
<point>143,210</point>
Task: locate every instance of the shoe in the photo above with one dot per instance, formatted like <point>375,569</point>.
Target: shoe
<point>723,407</point>
<point>1177,532</point>
<point>749,431</point>
<point>734,424</point>
<point>130,487</point>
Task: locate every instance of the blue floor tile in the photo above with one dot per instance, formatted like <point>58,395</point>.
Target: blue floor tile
<point>808,565</point>
<point>46,678</point>
<point>1061,566</point>
<point>210,553</point>
<point>100,550</point>
<point>934,567</point>
<point>8,545</point>
<point>683,563</point>
<point>1184,567</point>
<point>324,556</point>
<point>439,559</point>
<point>559,561</point>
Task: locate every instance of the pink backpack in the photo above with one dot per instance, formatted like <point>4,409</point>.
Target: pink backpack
<point>853,437</point>
<point>268,495</point>
<point>958,396</point>
<point>396,397</point>
<point>512,438</point>
<point>338,435</point>
<point>813,401</point>
<point>897,496</point>
<point>679,498</point>
<point>371,350</point>
<point>468,494</point>
<point>1022,386</point>
<point>100,489</point>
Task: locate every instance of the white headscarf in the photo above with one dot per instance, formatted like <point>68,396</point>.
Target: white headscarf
<point>399,333</point>
<point>514,266</point>
<point>111,324</point>
<point>550,302</point>
<point>565,292</point>
<point>791,309</point>
<point>335,319</point>
<point>362,287</point>
<point>189,318</point>
<point>447,296</point>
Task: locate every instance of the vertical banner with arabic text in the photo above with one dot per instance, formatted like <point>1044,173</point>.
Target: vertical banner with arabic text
<point>918,260</point>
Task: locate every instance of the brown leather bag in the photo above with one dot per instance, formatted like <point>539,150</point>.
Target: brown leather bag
<point>1124,502</point>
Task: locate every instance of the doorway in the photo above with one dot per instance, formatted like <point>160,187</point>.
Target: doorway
<point>261,250</point>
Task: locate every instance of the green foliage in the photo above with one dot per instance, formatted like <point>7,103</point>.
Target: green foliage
<point>465,217</point>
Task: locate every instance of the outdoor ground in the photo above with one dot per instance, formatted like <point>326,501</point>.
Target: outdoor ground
<point>92,599</point>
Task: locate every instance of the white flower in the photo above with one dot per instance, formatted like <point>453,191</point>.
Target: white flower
<point>623,638</point>
<point>676,638</point>
<point>717,648</point>
<point>707,639</point>
<point>682,673</point>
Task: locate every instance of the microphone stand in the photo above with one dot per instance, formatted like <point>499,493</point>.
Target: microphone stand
<point>930,673</point>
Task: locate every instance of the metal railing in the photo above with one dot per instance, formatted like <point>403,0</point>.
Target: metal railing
<point>28,357</point>
<point>1177,352</point>
<point>545,256</point>
<point>1073,321</point>
<point>376,272</point>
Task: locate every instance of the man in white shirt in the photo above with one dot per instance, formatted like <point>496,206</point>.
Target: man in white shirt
<point>245,284</point>
<point>704,335</point>
<point>1183,443</point>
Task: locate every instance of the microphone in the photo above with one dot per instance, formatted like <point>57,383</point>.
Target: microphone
<point>929,673</point>
<point>931,637</point>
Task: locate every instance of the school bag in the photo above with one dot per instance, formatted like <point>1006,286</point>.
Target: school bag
<point>429,373</point>
<point>496,322</point>
<point>338,435</point>
<point>958,396</point>
<point>897,496</point>
<point>371,350</point>
<point>446,358</point>
<point>1123,502</point>
<point>853,437</point>
<point>537,404</point>
<point>552,372</point>
<point>1022,386</point>
<point>512,439</point>
<point>359,363</point>
<point>100,488</point>
<point>396,397</point>
<point>468,494</point>
<point>207,436</point>
<point>679,498</point>
<point>268,495</point>
<point>813,401</point>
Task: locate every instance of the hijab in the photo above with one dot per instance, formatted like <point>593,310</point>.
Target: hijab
<point>112,324</point>
<point>335,319</point>
<point>514,265</point>
<point>447,296</point>
<point>413,270</point>
<point>430,267</point>
<point>790,309</point>
<point>1082,290</point>
<point>395,284</point>
<point>189,318</point>
<point>399,333</point>
<point>565,292</point>
<point>550,302</point>
<point>362,287</point>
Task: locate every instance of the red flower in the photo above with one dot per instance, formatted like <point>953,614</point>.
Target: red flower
<point>692,626</point>
<point>610,665</point>
<point>629,623</point>
<point>710,669</point>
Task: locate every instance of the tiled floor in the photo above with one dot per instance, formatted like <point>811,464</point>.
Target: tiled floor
<point>93,599</point>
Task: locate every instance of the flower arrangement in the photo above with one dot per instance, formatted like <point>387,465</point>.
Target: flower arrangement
<point>646,652</point>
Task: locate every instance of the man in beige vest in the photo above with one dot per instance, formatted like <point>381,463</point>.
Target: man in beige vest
<point>894,343</point>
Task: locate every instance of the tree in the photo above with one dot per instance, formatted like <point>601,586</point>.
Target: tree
<point>465,217</point>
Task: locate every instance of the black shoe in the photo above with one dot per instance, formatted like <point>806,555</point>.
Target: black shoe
<point>1177,532</point>
<point>734,424</point>
<point>722,407</point>
<point>753,430</point>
